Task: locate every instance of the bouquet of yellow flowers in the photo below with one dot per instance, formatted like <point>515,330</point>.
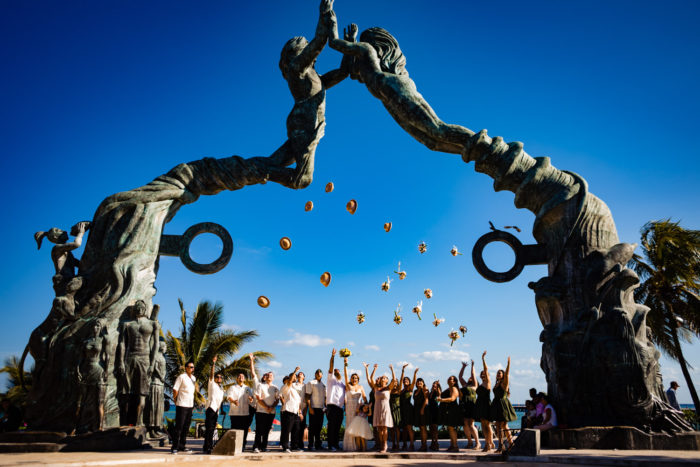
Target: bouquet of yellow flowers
<point>453,335</point>
<point>397,317</point>
<point>345,352</point>
<point>360,318</point>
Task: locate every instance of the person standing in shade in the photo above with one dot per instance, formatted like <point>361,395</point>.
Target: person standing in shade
<point>215,396</point>
<point>240,396</point>
<point>671,395</point>
<point>335,402</point>
<point>266,395</point>
<point>11,417</point>
<point>183,394</point>
<point>316,402</point>
<point>291,413</point>
<point>301,390</point>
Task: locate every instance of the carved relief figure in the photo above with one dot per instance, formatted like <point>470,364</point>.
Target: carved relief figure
<point>92,380</point>
<point>156,401</point>
<point>137,352</point>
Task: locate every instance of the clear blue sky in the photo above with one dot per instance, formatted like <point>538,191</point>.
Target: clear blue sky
<point>101,97</point>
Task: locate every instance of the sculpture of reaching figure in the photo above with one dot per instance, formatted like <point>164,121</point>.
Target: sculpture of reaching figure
<point>138,344</point>
<point>380,65</point>
<point>593,329</point>
<point>306,122</point>
<point>65,286</point>
<point>63,260</point>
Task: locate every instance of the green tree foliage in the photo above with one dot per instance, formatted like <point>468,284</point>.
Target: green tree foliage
<point>15,392</point>
<point>670,274</point>
<point>200,339</point>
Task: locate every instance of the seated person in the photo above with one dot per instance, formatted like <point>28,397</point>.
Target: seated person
<point>550,416</point>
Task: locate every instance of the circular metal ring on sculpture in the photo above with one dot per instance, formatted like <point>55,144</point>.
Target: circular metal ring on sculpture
<point>480,265</point>
<point>220,262</point>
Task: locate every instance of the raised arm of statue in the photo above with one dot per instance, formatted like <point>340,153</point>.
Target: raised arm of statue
<point>311,51</point>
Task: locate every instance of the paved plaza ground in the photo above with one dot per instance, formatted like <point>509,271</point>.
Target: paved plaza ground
<point>276,457</point>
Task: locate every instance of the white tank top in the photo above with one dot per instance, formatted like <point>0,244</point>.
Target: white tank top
<point>553,416</point>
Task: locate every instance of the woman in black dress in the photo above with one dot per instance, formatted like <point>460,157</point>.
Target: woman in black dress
<point>421,412</point>
<point>450,413</point>
<point>407,409</point>
<point>502,410</point>
<point>483,405</point>
<point>434,414</point>
<point>468,403</point>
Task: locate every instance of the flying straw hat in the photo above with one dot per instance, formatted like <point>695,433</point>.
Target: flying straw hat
<point>326,278</point>
<point>309,206</point>
<point>263,301</point>
<point>351,206</point>
<point>387,226</point>
<point>329,187</point>
<point>285,243</point>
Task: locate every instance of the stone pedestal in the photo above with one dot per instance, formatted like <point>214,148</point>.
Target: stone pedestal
<point>527,444</point>
<point>230,444</point>
<point>619,437</point>
<point>115,439</point>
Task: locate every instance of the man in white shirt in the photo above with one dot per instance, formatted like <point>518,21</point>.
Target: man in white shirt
<point>215,396</point>
<point>183,394</point>
<point>266,395</point>
<point>291,413</point>
<point>316,402</point>
<point>240,396</point>
<point>301,389</point>
<point>335,401</point>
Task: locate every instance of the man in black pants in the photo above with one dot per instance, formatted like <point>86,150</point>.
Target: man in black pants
<point>315,401</point>
<point>215,395</point>
<point>291,414</point>
<point>335,401</point>
<point>183,394</point>
<point>242,411</point>
<point>266,395</point>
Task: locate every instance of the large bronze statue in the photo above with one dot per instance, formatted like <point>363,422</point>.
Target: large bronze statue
<point>593,329</point>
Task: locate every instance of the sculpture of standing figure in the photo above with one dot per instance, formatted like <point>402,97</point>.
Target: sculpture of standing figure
<point>137,352</point>
<point>155,404</point>
<point>380,65</point>
<point>92,380</point>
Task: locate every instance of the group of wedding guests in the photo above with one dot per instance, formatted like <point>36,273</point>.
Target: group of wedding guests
<point>391,411</point>
<point>400,405</point>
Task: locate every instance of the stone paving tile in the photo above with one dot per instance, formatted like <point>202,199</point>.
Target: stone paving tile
<point>276,457</point>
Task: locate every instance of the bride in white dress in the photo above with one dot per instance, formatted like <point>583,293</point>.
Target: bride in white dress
<point>354,394</point>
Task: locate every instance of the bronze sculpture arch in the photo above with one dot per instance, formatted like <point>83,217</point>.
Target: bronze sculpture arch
<point>584,302</point>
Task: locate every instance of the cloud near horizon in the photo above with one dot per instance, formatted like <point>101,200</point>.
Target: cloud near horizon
<point>441,355</point>
<point>306,340</point>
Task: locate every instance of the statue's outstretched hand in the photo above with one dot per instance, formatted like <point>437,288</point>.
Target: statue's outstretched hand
<point>350,32</point>
<point>326,6</point>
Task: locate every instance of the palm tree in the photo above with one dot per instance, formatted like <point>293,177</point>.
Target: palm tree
<point>670,271</point>
<point>15,392</point>
<point>201,338</point>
